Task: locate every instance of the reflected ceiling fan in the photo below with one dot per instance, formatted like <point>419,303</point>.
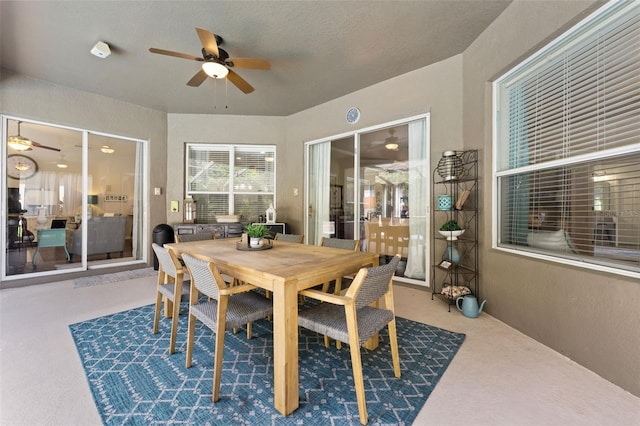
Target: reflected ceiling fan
<point>390,143</point>
<point>216,62</point>
<point>20,143</point>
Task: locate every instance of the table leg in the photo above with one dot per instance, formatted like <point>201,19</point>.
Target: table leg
<point>285,346</point>
<point>34,260</point>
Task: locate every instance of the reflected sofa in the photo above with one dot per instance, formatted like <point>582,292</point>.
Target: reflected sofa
<point>105,235</point>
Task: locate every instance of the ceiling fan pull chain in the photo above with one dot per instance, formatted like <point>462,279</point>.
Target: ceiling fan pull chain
<point>226,93</point>
<point>215,93</point>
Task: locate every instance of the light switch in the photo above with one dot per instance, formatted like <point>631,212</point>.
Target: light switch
<point>174,206</point>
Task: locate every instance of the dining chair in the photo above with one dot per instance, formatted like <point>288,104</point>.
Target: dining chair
<point>171,286</point>
<point>344,244</point>
<point>203,236</point>
<point>228,307</point>
<point>183,238</point>
<point>291,238</point>
<point>340,243</point>
<point>355,317</point>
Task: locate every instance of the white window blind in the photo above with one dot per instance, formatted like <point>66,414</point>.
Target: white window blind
<point>567,145</point>
<point>230,179</point>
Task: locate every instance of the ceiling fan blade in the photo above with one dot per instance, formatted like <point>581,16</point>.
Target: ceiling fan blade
<point>44,146</point>
<point>239,82</point>
<point>197,79</point>
<point>208,41</point>
<point>175,54</point>
<point>252,63</point>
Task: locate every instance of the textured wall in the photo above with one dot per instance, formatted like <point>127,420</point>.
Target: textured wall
<point>223,129</point>
<point>436,89</point>
<point>588,316</point>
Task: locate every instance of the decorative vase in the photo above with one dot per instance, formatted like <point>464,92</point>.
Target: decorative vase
<point>42,218</point>
<point>451,254</point>
<point>445,202</point>
<point>255,242</point>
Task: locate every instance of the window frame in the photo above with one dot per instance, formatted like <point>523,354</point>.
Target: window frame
<point>232,149</point>
<point>500,143</point>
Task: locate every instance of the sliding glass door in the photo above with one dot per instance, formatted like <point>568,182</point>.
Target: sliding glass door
<point>72,199</point>
<point>373,186</point>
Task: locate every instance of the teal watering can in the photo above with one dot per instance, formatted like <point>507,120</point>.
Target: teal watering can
<point>469,306</point>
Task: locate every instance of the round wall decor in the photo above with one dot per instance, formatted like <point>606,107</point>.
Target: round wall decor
<point>353,115</point>
<point>21,167</point>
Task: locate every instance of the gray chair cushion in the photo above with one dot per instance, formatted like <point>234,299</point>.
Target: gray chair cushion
<point>330,320</point>
<point>242,308</point>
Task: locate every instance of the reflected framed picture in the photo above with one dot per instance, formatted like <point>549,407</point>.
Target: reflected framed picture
<point>335,196</point>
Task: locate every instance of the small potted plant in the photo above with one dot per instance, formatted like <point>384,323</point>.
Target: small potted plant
<point>256,232</point>
<point>451,230</point>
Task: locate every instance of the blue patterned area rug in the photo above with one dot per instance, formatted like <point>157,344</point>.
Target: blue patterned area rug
<point>134,381</point>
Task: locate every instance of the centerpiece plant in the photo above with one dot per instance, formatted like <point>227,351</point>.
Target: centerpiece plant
<point>256,232</point>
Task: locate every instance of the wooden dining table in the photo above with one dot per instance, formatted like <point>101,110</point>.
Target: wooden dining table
<point>284,270</point>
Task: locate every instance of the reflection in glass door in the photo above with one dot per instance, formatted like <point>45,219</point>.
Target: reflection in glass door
<point>114,197</point>
<point>380,176</point>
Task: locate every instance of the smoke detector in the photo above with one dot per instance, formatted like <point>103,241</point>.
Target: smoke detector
<point>101,50</point>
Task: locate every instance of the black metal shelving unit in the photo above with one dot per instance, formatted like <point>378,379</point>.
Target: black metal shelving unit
<point>465,272</point>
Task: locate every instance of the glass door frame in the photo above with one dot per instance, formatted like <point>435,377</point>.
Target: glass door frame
<point>357,181</point>
<point>83,265</point>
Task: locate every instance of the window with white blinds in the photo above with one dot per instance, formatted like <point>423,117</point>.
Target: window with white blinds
<point>567,146</point>
<point>230,179</point>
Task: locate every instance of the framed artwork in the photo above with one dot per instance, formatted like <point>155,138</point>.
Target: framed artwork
<point>335,196</point>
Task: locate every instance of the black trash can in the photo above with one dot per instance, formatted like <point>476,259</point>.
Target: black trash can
<point>162,234</point>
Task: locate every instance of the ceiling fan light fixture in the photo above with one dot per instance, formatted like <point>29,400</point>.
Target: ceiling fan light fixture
<point>22,167</point>
<point>62,165</point>
<point>107,149</point>
<point>215,70</point>
<point>391,146</point>
<point>19,143</point>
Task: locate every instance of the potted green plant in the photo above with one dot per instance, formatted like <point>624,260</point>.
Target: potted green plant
<point>451,230</point>
<point>256,232</point>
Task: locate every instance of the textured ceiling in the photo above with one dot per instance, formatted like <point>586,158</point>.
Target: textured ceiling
<point>319,50</point>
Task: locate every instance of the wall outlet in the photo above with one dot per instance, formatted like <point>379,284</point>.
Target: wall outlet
<point>157,191</point>
<point>295,192</point>
<point>174,206</point>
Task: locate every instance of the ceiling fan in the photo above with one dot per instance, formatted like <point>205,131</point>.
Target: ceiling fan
<point>216,62</point>
<point>20,143</point>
